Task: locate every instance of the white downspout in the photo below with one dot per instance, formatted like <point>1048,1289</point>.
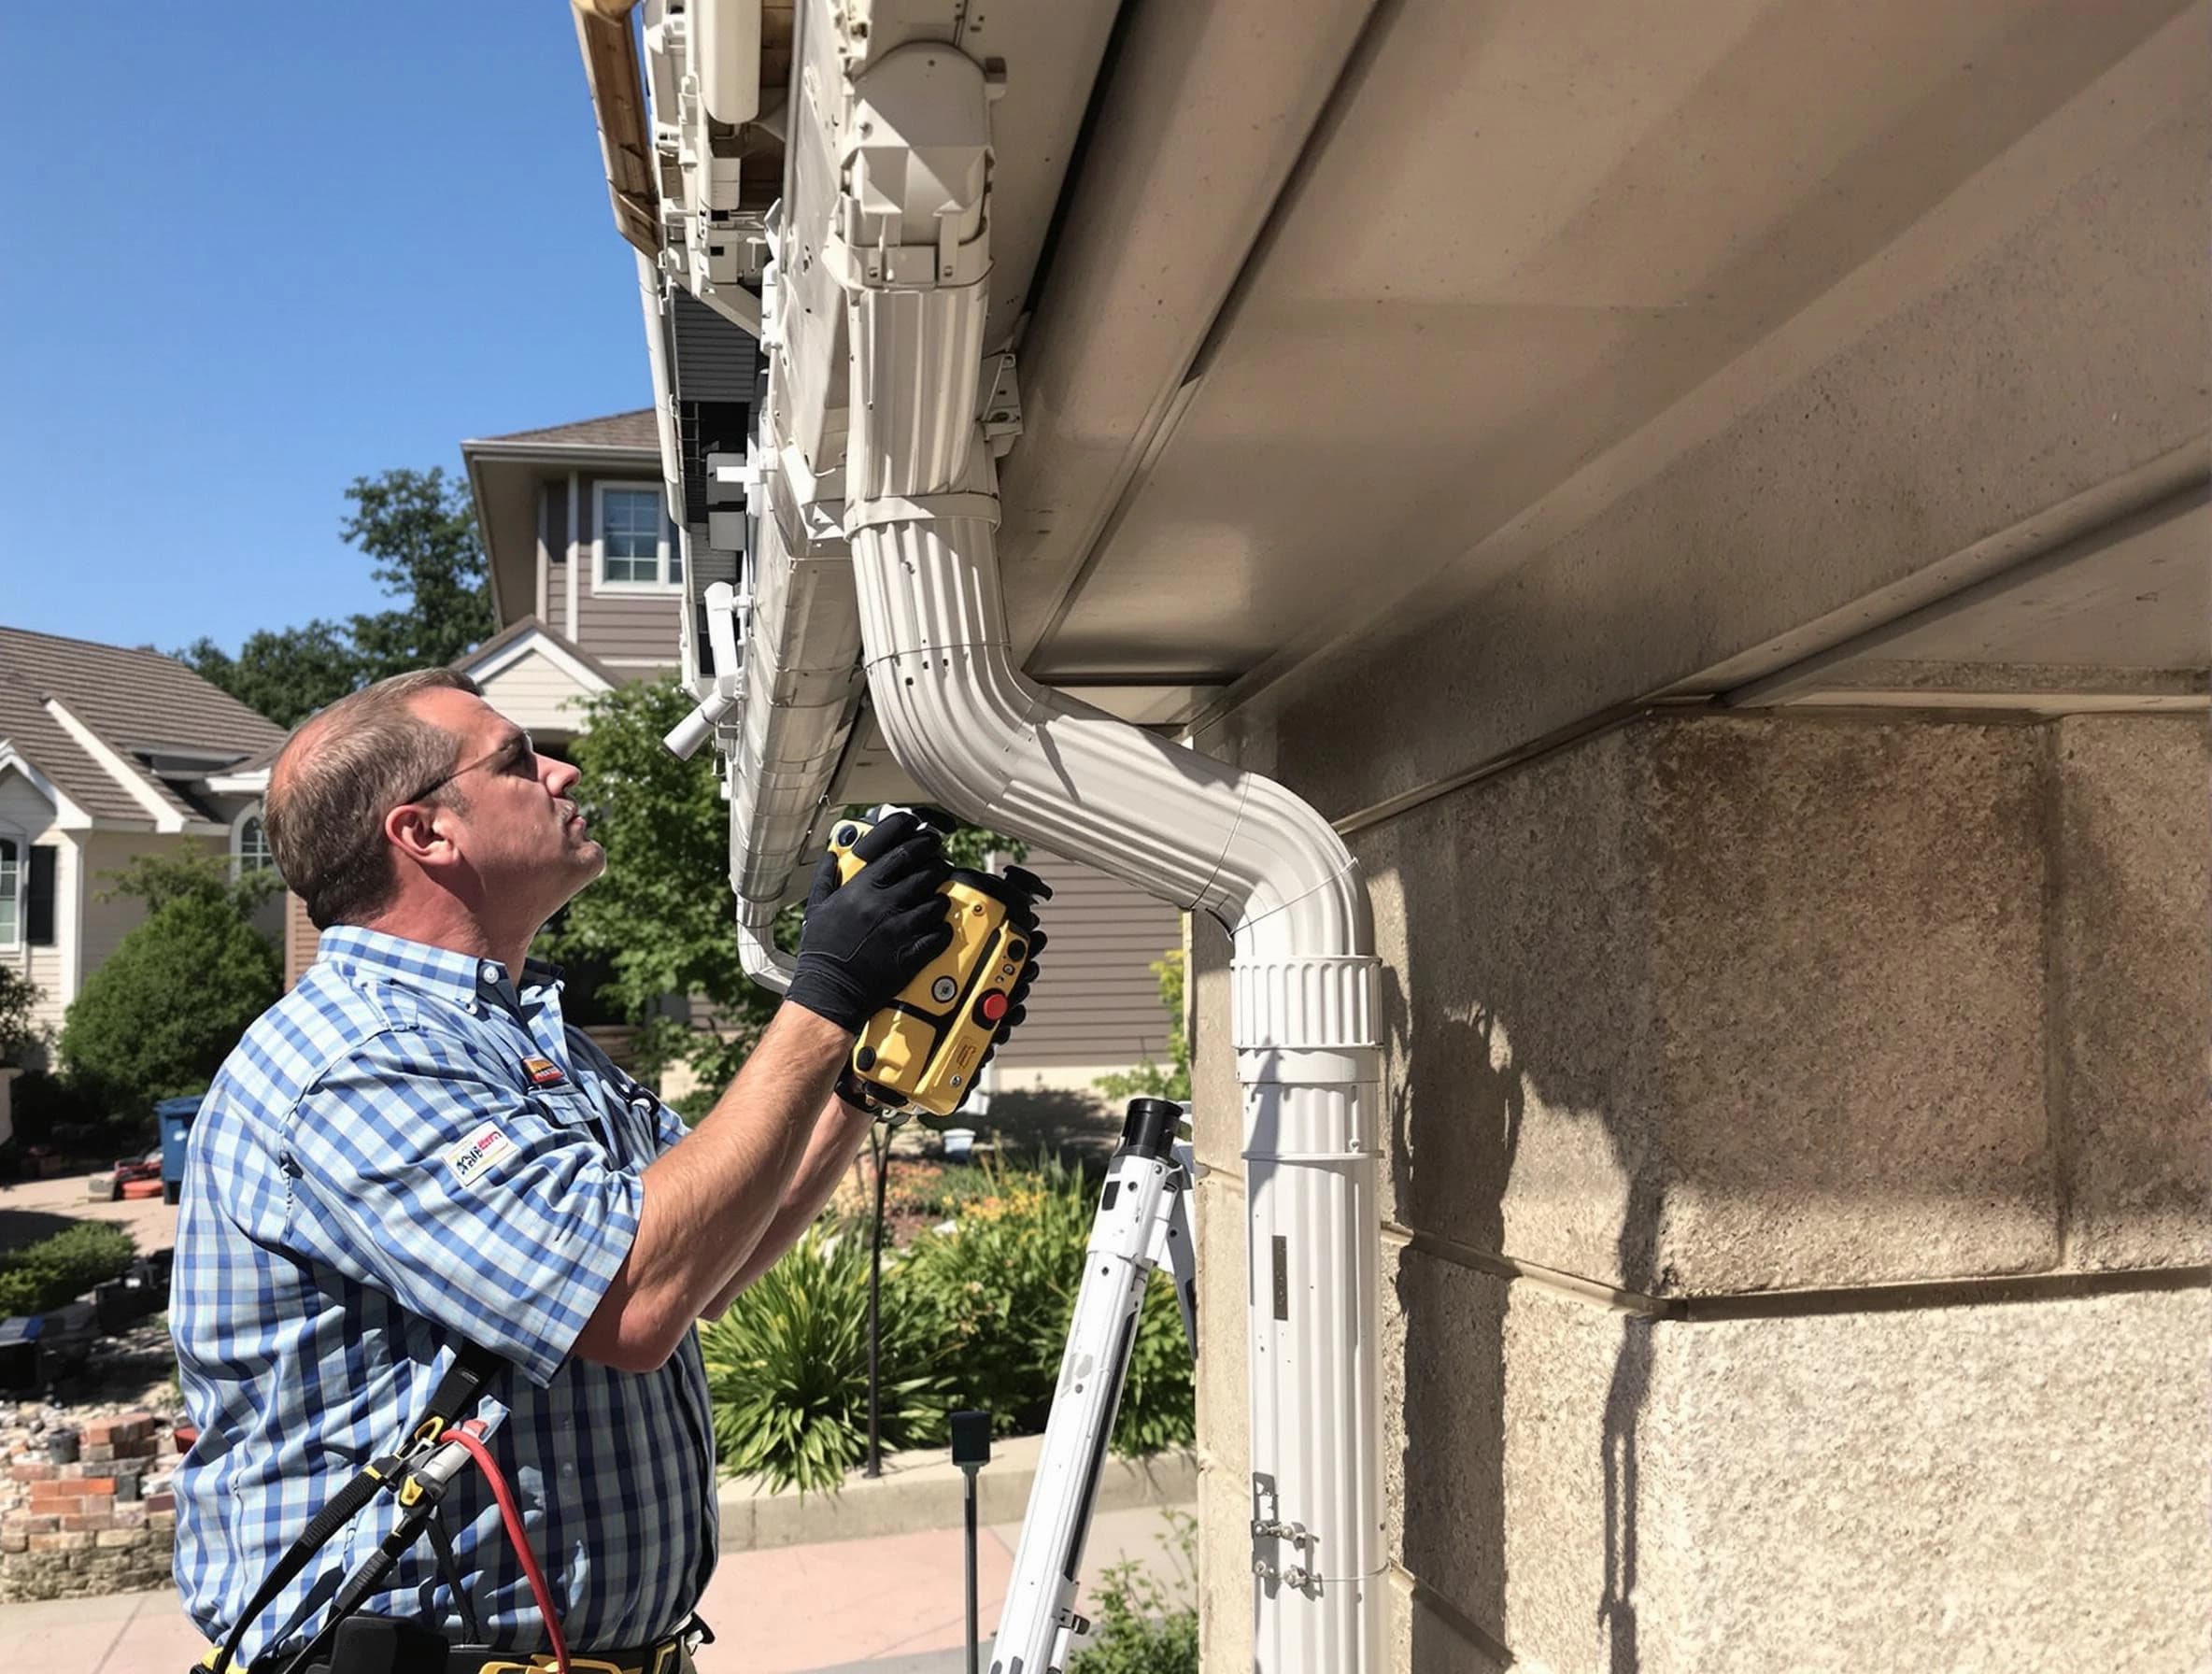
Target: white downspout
<point>921,512</point>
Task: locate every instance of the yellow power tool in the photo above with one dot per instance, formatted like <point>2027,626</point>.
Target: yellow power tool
<point>923,1050</point>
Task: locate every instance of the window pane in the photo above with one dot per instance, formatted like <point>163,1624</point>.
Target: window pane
<point>629,536</point>
<point>7,934</point>
<point>10,890</point>
<point>675,554</point>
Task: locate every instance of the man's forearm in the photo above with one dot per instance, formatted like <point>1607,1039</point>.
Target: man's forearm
<point>709,1201</point>
<point>839,1131</point>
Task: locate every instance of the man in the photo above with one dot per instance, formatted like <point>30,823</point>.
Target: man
<point>410,1152</point>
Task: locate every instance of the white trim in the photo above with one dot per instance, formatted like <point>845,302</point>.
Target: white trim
<point>574,494</point>
<point>237,830</point>
<point>663,588</point>
<point>537,640</point>
<point>68,816</point>
<point>545,552</point>
<point>251,784</point>
<point>17,942</point>
<point>165,819</point>
<point>638,662</point>
<point>69,940</point>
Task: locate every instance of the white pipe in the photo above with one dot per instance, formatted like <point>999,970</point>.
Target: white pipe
<point>975,735</point>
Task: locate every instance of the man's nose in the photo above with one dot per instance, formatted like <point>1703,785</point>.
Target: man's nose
<point>560,775</point>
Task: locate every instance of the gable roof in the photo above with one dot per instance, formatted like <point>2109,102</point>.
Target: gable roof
<point>637,429</point>
<point>522,628</point>
<point>132,703</point>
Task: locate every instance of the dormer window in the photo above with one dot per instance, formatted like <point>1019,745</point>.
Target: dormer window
<point>637,549</point>
<point>12,891</point>
<point>249,847</point>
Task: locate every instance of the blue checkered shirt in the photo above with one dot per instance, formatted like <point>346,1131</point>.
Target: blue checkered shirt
<point>403,1153</point>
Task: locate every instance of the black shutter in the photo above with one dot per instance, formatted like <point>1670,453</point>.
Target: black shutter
<point>38,912</point>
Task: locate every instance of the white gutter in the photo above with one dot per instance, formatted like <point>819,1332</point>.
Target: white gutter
<point>909,243</point>
<point>875,518</point>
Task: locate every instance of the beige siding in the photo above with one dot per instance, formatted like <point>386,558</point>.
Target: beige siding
<point>1096,1005</point>
<point>25,813</point>
<point>536,693</point>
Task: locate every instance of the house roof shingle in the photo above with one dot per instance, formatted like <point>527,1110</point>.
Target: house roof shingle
<point>131,700</point>
<point>637,431</point>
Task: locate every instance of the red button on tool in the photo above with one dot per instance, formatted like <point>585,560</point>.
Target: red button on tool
<point>994,1006</point>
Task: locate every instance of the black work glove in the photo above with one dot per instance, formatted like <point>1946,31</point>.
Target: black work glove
<point>866,940</point>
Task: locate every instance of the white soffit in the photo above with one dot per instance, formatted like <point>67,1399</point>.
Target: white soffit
<point>1532,231</point>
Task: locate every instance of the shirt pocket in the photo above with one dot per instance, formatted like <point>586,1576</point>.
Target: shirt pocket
<point>570,1109</point>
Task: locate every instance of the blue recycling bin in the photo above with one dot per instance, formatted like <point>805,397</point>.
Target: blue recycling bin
<point>174,1116</point>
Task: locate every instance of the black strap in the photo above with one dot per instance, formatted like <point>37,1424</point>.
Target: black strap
<point>474,1366</point>
<point>441,1541</point>
<point>457,1393</point>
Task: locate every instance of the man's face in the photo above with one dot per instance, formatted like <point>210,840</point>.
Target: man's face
<point>509,811</point>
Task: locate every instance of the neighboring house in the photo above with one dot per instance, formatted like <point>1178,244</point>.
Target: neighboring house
<point>106,754</point>
<point>587,580</point>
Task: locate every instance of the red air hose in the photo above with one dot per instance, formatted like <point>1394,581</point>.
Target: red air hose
<point>471,1436</point>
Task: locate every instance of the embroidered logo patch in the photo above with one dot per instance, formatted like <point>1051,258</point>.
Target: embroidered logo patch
<point>544,1072</point>
<point>479,1152</point>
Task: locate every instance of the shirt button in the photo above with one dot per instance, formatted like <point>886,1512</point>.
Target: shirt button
<point>492,973</point>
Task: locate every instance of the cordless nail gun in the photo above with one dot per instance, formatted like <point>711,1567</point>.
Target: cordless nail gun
<point>924,1049</point>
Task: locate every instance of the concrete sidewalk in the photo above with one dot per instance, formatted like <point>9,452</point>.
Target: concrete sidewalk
<point>892,1604</point>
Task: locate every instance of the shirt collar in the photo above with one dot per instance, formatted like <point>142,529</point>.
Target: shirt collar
<point>460,977</point>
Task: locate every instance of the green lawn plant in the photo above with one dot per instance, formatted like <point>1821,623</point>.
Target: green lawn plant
<point>974,1315</point>
<point>788,1370</point>
<point>62,1267</point>
<point>997,1290</point>
<point>1144,1623</point>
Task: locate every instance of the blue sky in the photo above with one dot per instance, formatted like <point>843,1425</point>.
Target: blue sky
<point>253,250</point>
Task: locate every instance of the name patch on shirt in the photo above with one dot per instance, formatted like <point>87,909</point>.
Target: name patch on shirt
<point>479,1152</point>
<point>544,1072</point>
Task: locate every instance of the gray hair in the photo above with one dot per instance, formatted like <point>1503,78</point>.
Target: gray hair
<point>324,813</point>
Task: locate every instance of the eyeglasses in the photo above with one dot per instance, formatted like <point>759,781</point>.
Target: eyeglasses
<point>519,749</point>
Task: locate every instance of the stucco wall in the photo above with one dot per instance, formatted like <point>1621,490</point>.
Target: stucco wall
<point>1795,1204</point>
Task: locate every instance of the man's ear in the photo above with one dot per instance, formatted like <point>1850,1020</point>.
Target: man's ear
<point>413,829</point>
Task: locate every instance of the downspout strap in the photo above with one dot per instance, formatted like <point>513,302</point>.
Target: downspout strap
<point>919,508</point>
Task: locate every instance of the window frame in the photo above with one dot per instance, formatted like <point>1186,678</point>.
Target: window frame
<point>254,814</point>
<point>12,940</point>
<point>664,550</point>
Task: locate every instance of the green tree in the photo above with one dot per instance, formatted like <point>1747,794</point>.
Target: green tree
<point>419,530</point>
<point>419,527</point>
<point>18,1033</point>
<point>662,916</point>
<point>285,674</point>
<point>163,1011</point>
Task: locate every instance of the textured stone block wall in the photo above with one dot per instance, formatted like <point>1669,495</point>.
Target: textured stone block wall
<point>89,1528</point>
<point>1797,1204</point>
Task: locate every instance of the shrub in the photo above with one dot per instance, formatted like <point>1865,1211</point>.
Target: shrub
<point>787,1370</point>
<point>997,1291</point>
<point>19,1036</point>
<point>46,1108</point>
<point>160,1015</point>
<point>1144,1624</point>
<point>60,1269</point>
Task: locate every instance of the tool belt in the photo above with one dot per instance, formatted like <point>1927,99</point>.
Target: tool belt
<point>377,1645</point>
